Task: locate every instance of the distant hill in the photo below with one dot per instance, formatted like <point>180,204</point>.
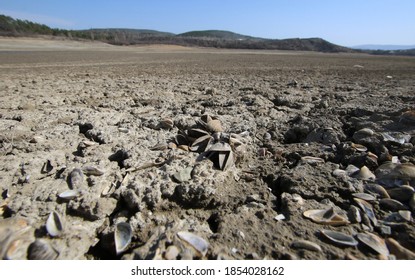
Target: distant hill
<point>202,38</point>
<point>217,34</point>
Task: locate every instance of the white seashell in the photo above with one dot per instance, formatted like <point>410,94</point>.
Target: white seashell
<point>54,225</point>
<point>69,194</point>
<point>89,143</point>
<point>359,148</point>
<point>362,133</point>
<point>199,244</point>
<point>364,196</point>
<point>122,236</point>
<point>123,130</point>
<point>312,160</point>
<point>365,174</point>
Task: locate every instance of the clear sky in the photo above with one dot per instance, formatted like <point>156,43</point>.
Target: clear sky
<point>344,22</point>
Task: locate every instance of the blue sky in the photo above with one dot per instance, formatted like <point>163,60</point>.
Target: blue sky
<point>345,22</point>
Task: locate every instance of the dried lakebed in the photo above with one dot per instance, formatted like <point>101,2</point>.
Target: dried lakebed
<point>202,154</point>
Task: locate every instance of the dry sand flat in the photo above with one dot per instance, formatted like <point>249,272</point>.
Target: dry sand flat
<point>69,106</point>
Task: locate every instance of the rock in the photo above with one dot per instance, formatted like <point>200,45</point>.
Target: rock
<point>183,175</point>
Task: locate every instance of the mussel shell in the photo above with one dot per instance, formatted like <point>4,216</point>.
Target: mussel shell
<point>363,133</point>
<point>200,245</point>
<point>359,147</point>
<point>396,137</point>
<point>400,252</point>
<point>374,242</point>
<point>122,236</point>
<point>402,193</point>
<point>391,204</point>
<point>196,133</point>
<point>166,123</point>
<point>367,209</point>
<point>339,238</point>
<point>54,225</point>
<point>92,170</point>
<point>364,196</point>
<point>326,217</point>
<point>397,218</point>
<point>312,160</point>
<point>389,170</point>
<point>307,245</point>
<point>221,155</point>
<point>364,174</point>
<point>181,139</point>
<point>376,189</point>
<point>76,178</point>
<point>42,250</point>
<point>69,194</point>
<point>201,144</point>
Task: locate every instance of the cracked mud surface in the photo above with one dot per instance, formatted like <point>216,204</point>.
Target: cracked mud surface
<point>65,110</point>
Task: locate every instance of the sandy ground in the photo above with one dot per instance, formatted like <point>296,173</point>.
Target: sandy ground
<point>115,116</point>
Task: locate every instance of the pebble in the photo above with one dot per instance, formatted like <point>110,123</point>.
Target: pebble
<point>183,175</point>
<point>279,217</point>
<point>171,253</point>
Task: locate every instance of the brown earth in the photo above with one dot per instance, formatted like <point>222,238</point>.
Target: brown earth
<point>57,94</point>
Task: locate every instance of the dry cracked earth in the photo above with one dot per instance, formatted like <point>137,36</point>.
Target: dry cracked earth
<point>324,167</point>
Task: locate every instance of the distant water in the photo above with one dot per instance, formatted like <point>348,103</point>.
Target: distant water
<point>384,47</point>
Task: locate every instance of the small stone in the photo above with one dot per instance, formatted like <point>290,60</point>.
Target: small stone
<point>405,214</point>
<point>171,253</point>
<point>279,217</point>
<point>267,136</point>
<point>297,198</point>
<point>385,230</point>
<point>183,175</point>
<point>36,139</point>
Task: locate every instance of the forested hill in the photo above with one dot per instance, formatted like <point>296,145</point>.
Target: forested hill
<point>204,38</point>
